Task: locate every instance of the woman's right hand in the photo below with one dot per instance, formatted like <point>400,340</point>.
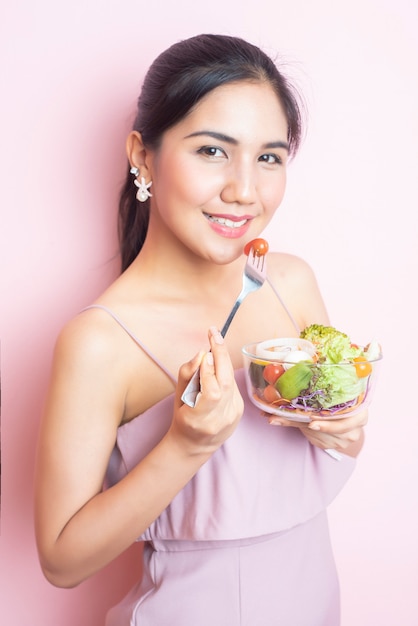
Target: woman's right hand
<point>219,405</point>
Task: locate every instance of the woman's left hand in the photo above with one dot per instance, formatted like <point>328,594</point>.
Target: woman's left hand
<point>345,435</point>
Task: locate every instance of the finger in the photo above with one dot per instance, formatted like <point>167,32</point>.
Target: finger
<point>209,387</point>
<point>216,371</point>
<point>338,442</point>
<point>282,421</point>
<point>187,370</point>
<point>223,367</point>
<point>340,426</point>
<point>185,373</point>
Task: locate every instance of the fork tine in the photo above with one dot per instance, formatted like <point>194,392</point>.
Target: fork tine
<point>256,259</point>
<point>256,266</point>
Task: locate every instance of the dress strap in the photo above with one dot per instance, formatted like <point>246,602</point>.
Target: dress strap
<point>135,338</point>
<point>292,319</point>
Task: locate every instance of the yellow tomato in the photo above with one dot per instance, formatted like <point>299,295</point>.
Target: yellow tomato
<point>363,367</point>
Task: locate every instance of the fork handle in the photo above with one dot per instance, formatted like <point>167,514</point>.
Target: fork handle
<point>193,386</point>
<point>231,316</point>
<point>192,389</point>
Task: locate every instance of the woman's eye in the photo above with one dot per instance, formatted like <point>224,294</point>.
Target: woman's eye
<point>270,159</point>
<point>211,151</point>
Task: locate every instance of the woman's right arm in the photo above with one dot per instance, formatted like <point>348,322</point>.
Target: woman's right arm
<point>80,528</point>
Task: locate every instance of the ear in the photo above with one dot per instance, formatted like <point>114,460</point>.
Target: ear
<point>138,154</point>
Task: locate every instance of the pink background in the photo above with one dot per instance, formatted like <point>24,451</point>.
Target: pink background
<point>72,76</point>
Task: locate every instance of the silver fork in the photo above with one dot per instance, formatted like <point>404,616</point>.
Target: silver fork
<point>254,276</point>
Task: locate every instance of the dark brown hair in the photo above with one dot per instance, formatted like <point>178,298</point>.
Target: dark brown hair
<point>175,82</point>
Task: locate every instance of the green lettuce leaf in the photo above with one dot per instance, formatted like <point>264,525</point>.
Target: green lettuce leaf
<point>332,345</point>
<point>337,383</point>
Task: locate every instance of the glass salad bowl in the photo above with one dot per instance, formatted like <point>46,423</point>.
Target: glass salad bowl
<point>300,380</point>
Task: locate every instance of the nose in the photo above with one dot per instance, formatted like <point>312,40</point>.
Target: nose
<point>240,185</point>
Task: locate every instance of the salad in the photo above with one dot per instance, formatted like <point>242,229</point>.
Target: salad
<point>321,373</point>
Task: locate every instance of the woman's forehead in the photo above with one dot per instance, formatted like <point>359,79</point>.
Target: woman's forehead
<point>237,106</point>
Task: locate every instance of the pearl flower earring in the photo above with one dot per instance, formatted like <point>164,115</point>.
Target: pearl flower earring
<point>142,194</point>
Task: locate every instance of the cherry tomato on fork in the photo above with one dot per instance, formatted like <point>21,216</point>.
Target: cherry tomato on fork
<point>260,247</point>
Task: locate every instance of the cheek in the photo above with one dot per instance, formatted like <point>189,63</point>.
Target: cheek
<point>273,194</point>
<point>176,177</point>
<point>198,186</point>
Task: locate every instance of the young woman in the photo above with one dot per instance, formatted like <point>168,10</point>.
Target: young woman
<point>231,509</point>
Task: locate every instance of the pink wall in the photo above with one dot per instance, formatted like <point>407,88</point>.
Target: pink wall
<point>72,75</point>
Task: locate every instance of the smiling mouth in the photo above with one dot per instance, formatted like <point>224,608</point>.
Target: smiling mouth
<point>224,221</point>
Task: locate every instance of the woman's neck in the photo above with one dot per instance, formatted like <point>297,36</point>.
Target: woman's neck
<point>178,270</point>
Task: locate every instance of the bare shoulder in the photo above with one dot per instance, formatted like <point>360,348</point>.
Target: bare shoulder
<point>88,362</point>
<point>99,359</point>
<point>295,279</point>
<point>291,268</point>
<point>88,339</point>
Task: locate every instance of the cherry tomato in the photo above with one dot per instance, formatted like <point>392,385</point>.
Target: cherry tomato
<point>363,367</point>
<point>271,394</point>
<point>272,372</point>
<point>260,247</point>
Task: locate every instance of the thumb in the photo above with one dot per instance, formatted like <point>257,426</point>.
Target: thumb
<point>187,370</point>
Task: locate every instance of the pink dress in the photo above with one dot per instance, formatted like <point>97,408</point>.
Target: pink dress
<point>246,542</point>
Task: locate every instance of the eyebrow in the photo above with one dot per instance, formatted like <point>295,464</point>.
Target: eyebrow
<point>234,142</point>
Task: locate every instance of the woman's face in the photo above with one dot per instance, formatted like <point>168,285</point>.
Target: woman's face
<point>220,174</point>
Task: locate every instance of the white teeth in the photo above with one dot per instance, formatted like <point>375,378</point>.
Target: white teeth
<point>225,222</point>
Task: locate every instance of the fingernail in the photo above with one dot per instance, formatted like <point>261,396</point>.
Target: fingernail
<point>314,426</point>
<point>275,422</point>
<point>209,358</point>
<point>216,335</point>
